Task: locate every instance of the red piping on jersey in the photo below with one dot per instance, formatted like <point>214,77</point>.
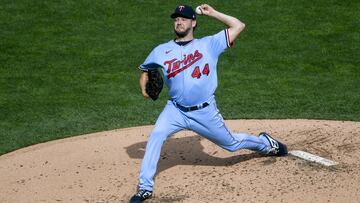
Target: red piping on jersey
<point>229,43</point>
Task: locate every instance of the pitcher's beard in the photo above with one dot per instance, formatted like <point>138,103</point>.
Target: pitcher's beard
<point>182,34</point>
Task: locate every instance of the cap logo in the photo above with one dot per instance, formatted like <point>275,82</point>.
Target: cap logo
<point>181,8</point>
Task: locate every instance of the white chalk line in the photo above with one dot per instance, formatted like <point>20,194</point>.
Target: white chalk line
<point>311,157</point>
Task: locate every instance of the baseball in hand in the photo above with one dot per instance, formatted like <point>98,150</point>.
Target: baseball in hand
<point>198,10</point>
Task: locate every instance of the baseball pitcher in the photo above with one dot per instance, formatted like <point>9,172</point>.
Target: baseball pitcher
<point>189,66</point>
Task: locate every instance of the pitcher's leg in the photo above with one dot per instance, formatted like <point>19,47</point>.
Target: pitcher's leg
<point>232,142</point>
<point>211,125</point>
<point>252,142</point>
<point>168,123</point>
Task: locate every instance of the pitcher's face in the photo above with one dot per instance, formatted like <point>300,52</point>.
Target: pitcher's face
<point>183,26</point>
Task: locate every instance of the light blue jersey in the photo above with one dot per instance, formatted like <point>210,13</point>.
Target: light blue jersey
<point>189,71</point>
<point>191,75</point>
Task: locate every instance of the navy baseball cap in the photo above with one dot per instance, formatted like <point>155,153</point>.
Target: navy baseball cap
<point>184,11</point>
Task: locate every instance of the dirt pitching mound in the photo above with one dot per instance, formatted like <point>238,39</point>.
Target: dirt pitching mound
<point>104,167</point>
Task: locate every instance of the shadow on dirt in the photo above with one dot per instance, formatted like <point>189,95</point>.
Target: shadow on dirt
<point>187,151</point>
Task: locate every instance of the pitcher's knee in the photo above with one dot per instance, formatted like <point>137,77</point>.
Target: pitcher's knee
<point>230,148</point>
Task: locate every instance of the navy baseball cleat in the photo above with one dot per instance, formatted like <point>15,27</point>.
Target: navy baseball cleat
<point>141,196</point>
<point>277,148</point>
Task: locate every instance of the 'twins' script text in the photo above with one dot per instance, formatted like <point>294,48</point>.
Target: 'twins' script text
<point>173,65</point>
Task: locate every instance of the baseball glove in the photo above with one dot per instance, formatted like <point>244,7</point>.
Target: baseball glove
<point>154,84</point>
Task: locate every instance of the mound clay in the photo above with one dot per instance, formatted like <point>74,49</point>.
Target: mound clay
<point>104,167</point>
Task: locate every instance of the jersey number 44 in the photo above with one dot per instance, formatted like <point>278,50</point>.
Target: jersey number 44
<point>197,73</point>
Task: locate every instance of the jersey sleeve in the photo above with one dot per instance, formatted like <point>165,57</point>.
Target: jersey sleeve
<point>150,62</point>
<point>220,42</point>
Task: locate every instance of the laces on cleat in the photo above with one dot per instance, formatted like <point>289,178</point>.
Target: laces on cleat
<point>144,194</point>
<point>276,148</point>
<point>141,196</point>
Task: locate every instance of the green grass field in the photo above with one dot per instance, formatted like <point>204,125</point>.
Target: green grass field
<point>70,67</point>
